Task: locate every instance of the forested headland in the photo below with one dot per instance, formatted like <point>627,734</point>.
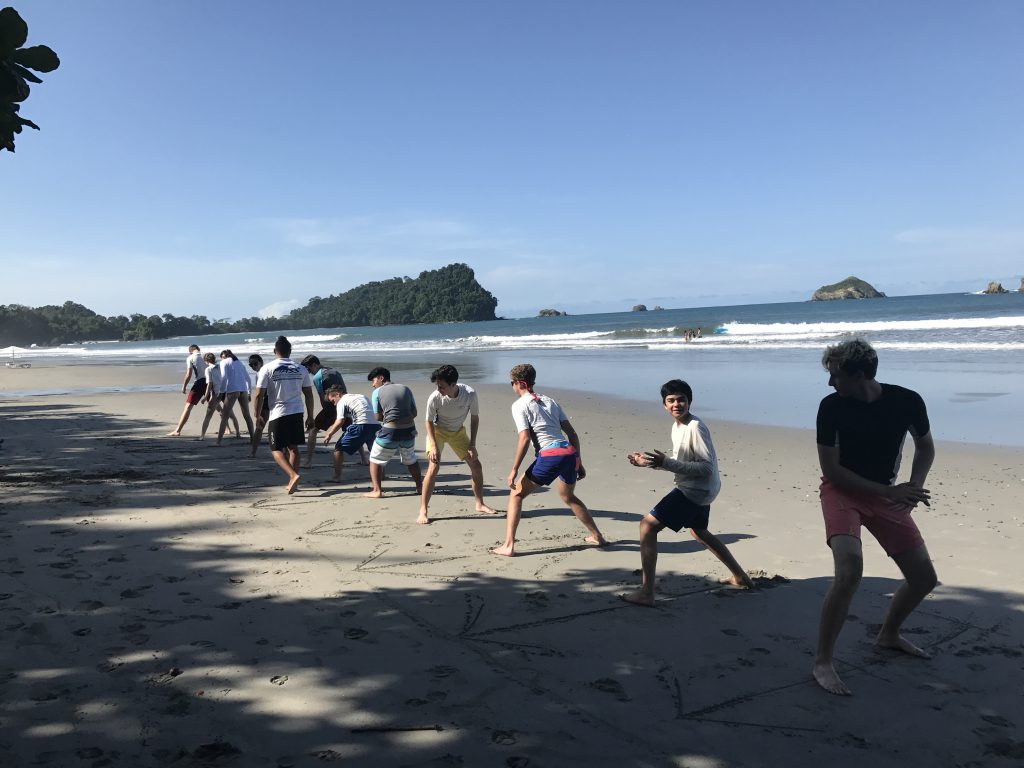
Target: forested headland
<point>449,294</point>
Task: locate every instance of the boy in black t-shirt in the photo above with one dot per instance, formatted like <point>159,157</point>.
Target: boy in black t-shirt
<point>860,433</point>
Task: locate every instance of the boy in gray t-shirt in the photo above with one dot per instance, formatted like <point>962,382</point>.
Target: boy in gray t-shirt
<point>395,407</point>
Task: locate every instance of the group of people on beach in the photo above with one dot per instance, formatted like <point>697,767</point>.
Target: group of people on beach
<point>860,432</point>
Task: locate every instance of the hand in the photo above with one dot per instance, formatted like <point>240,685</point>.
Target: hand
<point>309,422</point>
<point>471,452</point>
<point>637,459</point>
<point>183,390</point>
<point>512,478</point>
<point>259,421</point>
<point>327,438</point>
<point>432,456</point>
<point>654,458</point>
<point>581,472</point>
<point>908,495</point>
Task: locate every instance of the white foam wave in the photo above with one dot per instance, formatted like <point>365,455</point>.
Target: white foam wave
<point>874,326</point>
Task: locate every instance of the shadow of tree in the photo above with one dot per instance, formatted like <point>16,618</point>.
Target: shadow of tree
<point>165,607</point>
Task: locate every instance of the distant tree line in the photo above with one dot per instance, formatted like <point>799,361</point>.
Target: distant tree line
<point>449,294</point>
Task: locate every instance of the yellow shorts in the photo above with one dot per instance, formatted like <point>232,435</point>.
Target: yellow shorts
<point>459,441</point>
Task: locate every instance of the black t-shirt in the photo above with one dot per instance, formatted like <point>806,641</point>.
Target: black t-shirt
<point>870,435</point>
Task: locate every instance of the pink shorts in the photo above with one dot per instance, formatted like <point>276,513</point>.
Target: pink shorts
<point>845,513</point>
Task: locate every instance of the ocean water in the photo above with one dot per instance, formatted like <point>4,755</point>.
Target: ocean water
<point>755,363</point>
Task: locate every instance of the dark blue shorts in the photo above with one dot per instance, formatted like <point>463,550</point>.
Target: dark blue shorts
<point>545,469</point>
<point>355,436</point>
<point>678,512</point>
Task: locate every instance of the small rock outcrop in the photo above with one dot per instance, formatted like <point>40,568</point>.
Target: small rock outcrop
<point>850,288</point>
<point>552,313</point>
<point>994,287</point>
<point>640,308</point>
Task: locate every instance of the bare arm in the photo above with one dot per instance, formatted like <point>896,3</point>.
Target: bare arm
<point>307,393</point>
<point>924,456</point>
<point>905,494</point>
<point>188,375</point>
<point>474,427</point>
<point>432,453</point>
<point>574,441</point>
<point>521,446</point>
<point>257,403</point>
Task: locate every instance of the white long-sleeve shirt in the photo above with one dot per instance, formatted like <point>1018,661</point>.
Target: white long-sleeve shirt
<point>694,462</point>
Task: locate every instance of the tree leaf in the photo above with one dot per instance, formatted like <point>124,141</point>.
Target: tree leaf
<point>28,75</point>
<point>13,32</point>
<point>41,58</point>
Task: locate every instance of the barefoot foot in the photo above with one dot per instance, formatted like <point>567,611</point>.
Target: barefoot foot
<point>504,550</point>
<point>292,485</point>
<point>483,509</point>
<point>743,582</point>
<point>640,597</point>
<point>373,495</point>
<point>900,643</point>
<point>827,678</point>
<point>598,541</point>
<point>423,519</point>
<point>173,434</point>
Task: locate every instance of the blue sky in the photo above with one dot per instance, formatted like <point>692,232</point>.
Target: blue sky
<point>226,157</point>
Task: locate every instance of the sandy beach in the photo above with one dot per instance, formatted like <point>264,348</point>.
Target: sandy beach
<point>165,603</point>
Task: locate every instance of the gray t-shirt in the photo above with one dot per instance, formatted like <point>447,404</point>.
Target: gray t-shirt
<point>396,404</point>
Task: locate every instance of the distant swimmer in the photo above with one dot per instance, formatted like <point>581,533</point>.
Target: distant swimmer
<point>540,421</point>
<point>860,432</point>
<point>194,366</point>
<point>688,505</point>
<point>447,408</point>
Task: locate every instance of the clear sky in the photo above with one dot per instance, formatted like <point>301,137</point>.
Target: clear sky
<point>226,157</point>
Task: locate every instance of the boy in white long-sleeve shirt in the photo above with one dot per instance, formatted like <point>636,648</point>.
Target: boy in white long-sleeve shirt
<point>688,505</point>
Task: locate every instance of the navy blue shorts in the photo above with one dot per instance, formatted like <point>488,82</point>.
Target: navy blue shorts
<point>678,512</point>
<point>545,469</point>
<point>356,436</point>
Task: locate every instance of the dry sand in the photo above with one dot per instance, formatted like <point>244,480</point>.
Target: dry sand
<point>165,603</point>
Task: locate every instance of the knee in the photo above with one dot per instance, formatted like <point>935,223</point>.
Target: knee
<point>648,530</point>
<point>848,573</point>
<point>925,582</point>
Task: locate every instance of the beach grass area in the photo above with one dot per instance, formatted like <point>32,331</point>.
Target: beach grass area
<point>166,603</point>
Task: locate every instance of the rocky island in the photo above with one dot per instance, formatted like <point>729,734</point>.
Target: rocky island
<point>994,287</point>
<point>850,288</point>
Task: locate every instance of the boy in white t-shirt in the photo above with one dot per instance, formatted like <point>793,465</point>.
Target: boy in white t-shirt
<point>447,409</point>
<point>540,420</point>
<point>356,417</point>
<point>286,384</point>
<point>688,505</point>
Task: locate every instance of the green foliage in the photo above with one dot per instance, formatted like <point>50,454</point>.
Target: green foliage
<point>16,65</point>
<point>449,294</point>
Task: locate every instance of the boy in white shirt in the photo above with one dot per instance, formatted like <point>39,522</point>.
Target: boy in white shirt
<point>540,420</point>
<point>355,416</point>
<point>447,409</point>
<point>688,505</point>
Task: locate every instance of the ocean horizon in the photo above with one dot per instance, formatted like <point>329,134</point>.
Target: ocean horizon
<point>757,363</point>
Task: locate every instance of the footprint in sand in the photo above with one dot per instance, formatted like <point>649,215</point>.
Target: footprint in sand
<point>731,632</point>
<point>503,738</point>
<point>229,606</point>
<point>442,671</point>
<point>356,633</point>
<point>279,679</point>
<point>614,687</point>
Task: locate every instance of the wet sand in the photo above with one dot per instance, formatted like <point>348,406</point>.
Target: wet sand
<point>165,603</point>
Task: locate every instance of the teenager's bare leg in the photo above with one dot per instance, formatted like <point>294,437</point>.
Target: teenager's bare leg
<point>849,565</point>
<point>476,479</point>
<point>310,446</point>
<point>920,578</point>
<point>523,488</point>
<point>229,406</point>
<point>567,492</point>
<point>739,577</point>
<point>433,467</point>
<point>376,474</point>
<point>650,527</point>
<point>338,459</point>
<point>181,422</point>
<point>416,475</point>
<point>246,406</point>
<point>284,461</point>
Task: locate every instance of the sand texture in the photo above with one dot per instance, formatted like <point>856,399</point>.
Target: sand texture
<point>165,603</point>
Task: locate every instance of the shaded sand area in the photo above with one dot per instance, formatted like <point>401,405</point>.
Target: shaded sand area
<point>164,603</point>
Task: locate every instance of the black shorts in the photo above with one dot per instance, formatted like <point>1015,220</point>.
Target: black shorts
<point>678,512</point>
<point>327,416</point>
<point>286,432</point>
